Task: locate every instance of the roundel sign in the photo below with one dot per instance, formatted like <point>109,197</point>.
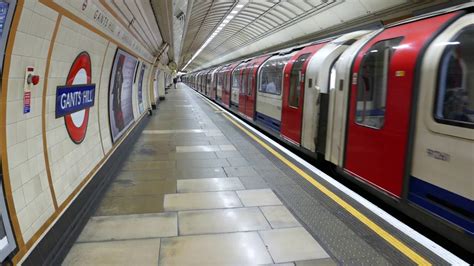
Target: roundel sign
<point>79,74</point>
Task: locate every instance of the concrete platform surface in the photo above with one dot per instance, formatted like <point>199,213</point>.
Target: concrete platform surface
<point>195,190</point>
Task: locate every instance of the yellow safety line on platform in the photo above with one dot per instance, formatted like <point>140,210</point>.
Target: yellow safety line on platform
<point>361,217</point>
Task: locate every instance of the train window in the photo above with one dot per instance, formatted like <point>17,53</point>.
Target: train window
<point>372,83</point>
<point>229,80</point>
<point>236,78</point>
<point>224,81</point>
<point>271,75</point>
<point>455,95</point>
<point>219,81</point>
<point>250,79</point>
<point>296,78</point>
<point>244,81</point>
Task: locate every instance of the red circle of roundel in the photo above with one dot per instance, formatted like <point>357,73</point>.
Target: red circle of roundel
<point>78,132</point>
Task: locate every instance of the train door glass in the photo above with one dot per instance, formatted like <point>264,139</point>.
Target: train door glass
<point>243,88</point>
<point>250,81</point>
<point>372,83</point>
<point>455,95</point>
<point>7,241</point>
<point>296,80</point>
<point>236,79</point>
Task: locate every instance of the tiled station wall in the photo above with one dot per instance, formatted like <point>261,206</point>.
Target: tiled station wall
<point>43,168</point>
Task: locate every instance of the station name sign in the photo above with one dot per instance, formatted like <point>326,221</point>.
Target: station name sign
<point>70,99</point>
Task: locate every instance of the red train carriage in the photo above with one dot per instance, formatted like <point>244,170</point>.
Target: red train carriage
<point>381,102</point>
<point>293,93</point>
<point>248,93</point>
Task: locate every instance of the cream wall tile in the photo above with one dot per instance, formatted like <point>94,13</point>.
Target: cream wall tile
<point>19,199</point>
<point>32,189</point>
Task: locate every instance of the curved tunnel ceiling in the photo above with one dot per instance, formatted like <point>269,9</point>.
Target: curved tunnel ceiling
<point>262,25</point>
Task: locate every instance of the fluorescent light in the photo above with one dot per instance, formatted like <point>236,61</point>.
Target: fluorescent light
<point>229,17</point>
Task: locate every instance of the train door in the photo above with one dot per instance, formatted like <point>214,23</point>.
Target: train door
<point>236,85</point>
<point>292,113</point>
<point>380,103</point>
<point>250,95</point>
<point>244,89</point>
<point>220,84</point>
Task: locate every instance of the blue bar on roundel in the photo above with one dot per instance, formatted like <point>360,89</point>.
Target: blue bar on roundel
<point>70,99</point>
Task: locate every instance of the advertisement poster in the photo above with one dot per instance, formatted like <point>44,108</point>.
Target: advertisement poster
<point>140,88</point>
<point>120,93</point>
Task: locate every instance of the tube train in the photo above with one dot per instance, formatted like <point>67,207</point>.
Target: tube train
<point>391,108</point>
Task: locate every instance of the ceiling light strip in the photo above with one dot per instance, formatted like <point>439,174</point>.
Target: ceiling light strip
<point>226,21</point>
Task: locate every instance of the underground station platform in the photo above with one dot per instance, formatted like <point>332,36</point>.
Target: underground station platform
<point>199,186</point>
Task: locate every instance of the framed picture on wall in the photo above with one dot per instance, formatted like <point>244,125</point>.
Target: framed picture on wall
<point>120,93</point>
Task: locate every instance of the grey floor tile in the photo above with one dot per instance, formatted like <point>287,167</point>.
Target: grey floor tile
<point>318,262</point>
<point>195,155</point>
<point>216,249</point>
<point>201,200</point>
<point>258,197</point>
<point>201,173</point>
<point>279,216</point>
<point>221,221</point>
<point>228,154</point>
<point>130,205</point>
<point>192,164</point>
<point>145,175</point>
<point>198,148</point>
<point>148,157</point>
<point>236,162</point>
<point>140,252</point>
<point>209,184</point>
<point>292,244</point>
<point>173,131</point>
<point>129,188</point>
<point>148,165</point>
<point>240,171</point>
<point>121,227</point>
<point>227,147</point>
<point>253,182</point>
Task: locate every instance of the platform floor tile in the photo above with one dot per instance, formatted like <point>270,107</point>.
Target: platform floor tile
<point>218,249</point>
<point>279,217</point>
<point>292,244</point>
<point>201,200</point>
<point>209,184</point>
<point>122,227</point>
<point>130,205</point>
<point>258,197</point>
<point>221,221</point>
<point>130,252</point>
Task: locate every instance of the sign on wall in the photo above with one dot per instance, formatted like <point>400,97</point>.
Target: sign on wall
<point>74,99</point>
<point>120,93</point>
<point>140,88</point>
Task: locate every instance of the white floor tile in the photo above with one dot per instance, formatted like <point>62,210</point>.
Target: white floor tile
<point>209,184</point>
<point>279,217</point>
<point>198,148</point>
<point>217,249</point>
<point>120,227</point>
<point>140,252</point>
<point>202,200</point>
<point>221,221</point>
<point>292,244</point>
<point>258,197</point>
